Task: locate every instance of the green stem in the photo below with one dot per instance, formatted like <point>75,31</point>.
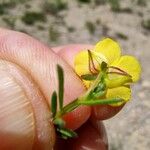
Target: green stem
<point>68,108</point>
<point>101,101</point>
<point>77,102</point>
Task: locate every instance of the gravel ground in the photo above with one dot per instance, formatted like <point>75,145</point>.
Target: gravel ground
<point>88,23</point>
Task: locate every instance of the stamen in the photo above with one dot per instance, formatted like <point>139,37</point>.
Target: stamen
<point>92,67</point>
<point>122,72</point>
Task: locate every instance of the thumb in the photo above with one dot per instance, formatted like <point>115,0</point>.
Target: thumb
<point>28,78</point>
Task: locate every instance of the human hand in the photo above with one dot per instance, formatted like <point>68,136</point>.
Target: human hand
<point>28,78</point>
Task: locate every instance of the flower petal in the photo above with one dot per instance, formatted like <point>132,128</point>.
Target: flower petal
<point>109,48</point>
<point>130,65</point>
<point>123,92</point>
<point>82,63</point>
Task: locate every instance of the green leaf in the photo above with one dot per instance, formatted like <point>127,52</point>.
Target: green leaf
<point>60,85</point>
<point>88,77</point>
<point>103,66</point>
<point>54,103</point>
<point>67,133</point>
<point>100,87</point>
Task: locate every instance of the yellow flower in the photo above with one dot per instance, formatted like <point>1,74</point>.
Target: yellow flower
<point>109,51</point>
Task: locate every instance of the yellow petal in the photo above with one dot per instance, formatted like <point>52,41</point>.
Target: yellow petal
<point>130,65</point>
<point>87,83</point>
<point>109,48</point>
<point>81,63</point>
<point>117,80</point>
<point>123,92</point>
<point>98,57</point>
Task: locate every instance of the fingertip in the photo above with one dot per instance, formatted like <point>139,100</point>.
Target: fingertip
<point>77,117</point>
<point>103,112</point>
<point>90,136</point>
<point>68,52</point>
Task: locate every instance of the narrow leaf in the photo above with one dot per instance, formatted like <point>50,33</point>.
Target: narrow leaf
<point>66,133</point>
<point>60,86</point>
<point>88,77</point>
<point>54,103</point>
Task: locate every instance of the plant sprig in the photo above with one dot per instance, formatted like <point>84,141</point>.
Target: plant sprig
<point>58,121</point>
<point>93,96</point>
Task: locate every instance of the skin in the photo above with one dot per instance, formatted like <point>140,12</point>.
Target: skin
<point>28,78</point>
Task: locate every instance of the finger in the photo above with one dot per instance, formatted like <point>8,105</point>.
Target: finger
<point>28,78</point>
<point>68,52</point>
<point>90,136</point>
<point>100,112</point>
<point>24,116</point>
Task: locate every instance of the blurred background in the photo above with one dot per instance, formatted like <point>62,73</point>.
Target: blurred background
<point>60,22</point>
